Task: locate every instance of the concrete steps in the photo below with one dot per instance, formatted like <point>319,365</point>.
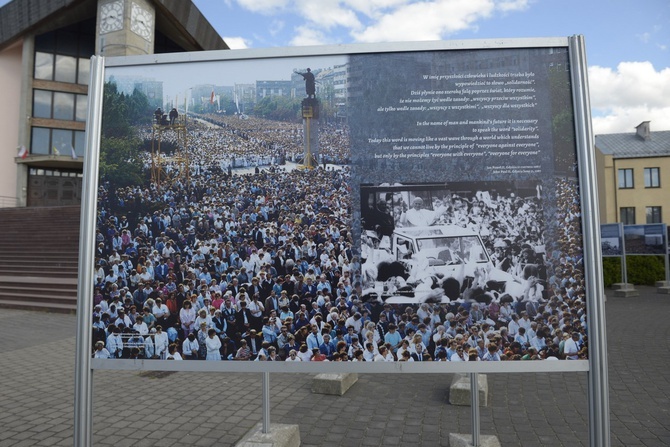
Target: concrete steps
<point>39,258</point>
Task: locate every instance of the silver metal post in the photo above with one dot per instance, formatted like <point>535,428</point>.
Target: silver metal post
<point>83,396</point>
<point>665,254</point>
<point>474,402</point>
<point>599,423</point>
<point>266,402</point>
<point>624,268</point>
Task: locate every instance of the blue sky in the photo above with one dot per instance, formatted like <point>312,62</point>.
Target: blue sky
<point>628,42</point>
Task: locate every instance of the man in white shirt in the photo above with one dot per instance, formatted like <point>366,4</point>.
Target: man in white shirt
<point>161,342</point>
<point>419,217</point>
<point>513,326</point>
<point>571,347</point>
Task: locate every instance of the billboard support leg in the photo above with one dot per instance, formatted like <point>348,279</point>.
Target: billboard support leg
<point>474,407</point>
<point>599,412</point>
<point>266,402</point>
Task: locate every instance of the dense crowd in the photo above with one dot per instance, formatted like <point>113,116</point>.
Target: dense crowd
<point>231,265</point>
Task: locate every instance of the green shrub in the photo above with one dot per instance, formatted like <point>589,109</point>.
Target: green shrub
<point>645,270</point>
<point>611,270</point>
<point>641,270</point>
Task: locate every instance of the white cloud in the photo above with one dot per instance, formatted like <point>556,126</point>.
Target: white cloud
<point>237,43</point>
<point>624,120</point>
<point>267,7</point>
<point>382,20</point>
<point>327,13</point>
<point>374,8</point>
<point>276,26</point>
<point>623,98</point>
<point>306,35</point>
<point>644,37</point>
<point>512,5</point>
<point>631,82</point>
<point>426,20</point>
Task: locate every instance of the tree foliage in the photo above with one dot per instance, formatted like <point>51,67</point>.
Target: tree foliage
<point>611,270</point>
<point>640,270</point>
<point>119,163</point>
<point>563,124</point>
<point>120,110</point>
<point>645,270</point>
<point>279,108</point>
<point>119,145</point>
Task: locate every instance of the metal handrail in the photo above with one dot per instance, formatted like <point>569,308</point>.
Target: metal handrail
<point>8,202</point>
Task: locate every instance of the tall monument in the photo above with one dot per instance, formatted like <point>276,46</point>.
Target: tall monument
<point>310,121</point>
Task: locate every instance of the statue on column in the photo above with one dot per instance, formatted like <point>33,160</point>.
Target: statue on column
<point>310,83</point>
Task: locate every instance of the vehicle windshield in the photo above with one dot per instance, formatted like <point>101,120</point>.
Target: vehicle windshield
<point>453,249</point>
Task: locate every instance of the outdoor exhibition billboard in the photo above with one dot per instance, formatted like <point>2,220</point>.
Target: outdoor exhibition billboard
<point>649,239</point>
<point>427,192</point>
<point>611,237</point>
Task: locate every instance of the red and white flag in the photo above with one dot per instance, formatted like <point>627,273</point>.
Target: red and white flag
<point>23,152</point>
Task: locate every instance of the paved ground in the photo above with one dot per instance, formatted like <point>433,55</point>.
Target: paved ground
<point>206,409</point>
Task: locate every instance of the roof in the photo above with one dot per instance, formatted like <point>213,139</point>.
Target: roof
<point>180,20</point>
<point>435,231</point>
<point>630,145</point>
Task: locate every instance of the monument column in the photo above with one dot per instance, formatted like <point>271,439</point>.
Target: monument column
<point>310,129</point>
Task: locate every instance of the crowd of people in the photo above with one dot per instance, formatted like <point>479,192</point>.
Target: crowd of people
<point>263,266</point>
<point>511,227</point>
<point>225,142</point>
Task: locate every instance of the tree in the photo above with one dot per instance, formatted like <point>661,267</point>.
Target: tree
<point>114,113</point>
<point>139,109</point>
<point>120,110</point>
<point>563,124</point>
<point>119,145</point>
<point>119,163</point>
<point>279,108</point>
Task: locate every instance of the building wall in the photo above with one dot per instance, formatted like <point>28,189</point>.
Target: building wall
<point>606,185</point>
<point>10,80</point>
<point>638,197</point>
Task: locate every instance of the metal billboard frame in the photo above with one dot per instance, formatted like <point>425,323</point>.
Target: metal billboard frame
<point>596,365</point>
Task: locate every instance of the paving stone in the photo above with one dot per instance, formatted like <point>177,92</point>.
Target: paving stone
<point>524,409</point>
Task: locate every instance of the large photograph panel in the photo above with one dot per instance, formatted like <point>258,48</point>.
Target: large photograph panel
<point>418,206</point>
<point>487,237</point>
<point>611,239</point>
<point>646,239</point>
<point>464,172</point>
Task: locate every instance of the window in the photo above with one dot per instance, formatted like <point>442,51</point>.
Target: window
<point>40,141</point>
<point>42,104</point>
<point>62,56</point>
<point>44,66</point>
<point>626,178</point>
<point>627,215</point>
<point>84,70</point>
<point>56,173</point>
<point>44,140</point>
<point>81,109</point>
<point>66,69</point>
<point>63,106</point>
<point>654,215</point>
<point>652,177</point>
<point>59,105</point>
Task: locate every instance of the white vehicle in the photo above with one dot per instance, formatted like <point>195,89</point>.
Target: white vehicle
<point>424,262</point>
